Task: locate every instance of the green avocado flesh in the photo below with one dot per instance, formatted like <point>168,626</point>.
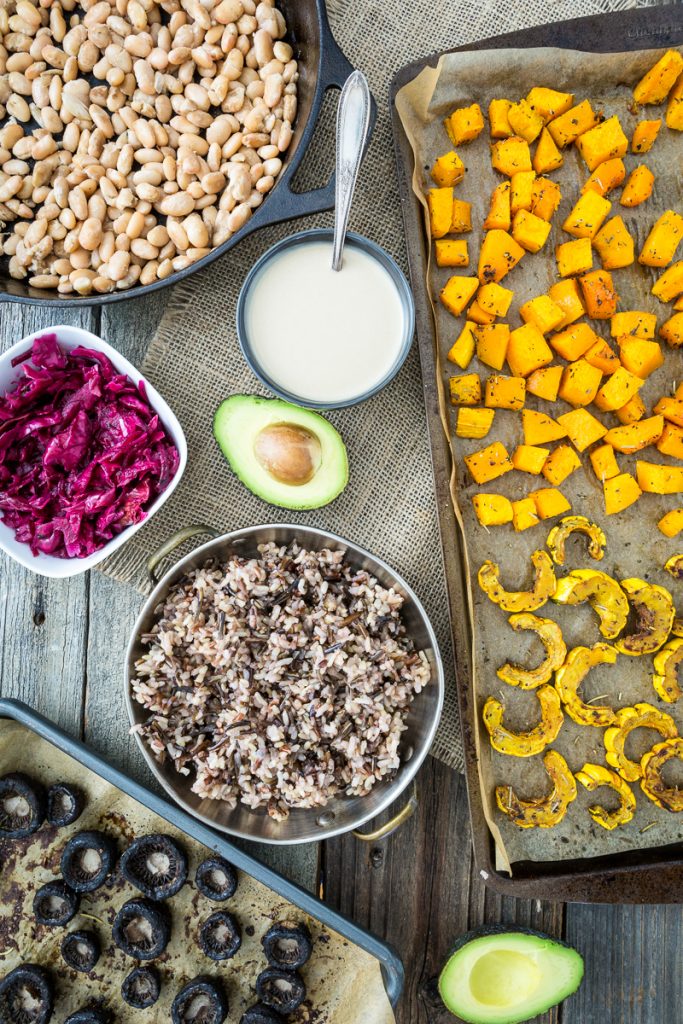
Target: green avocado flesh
<point>504,977</point>
<point>287,455</point>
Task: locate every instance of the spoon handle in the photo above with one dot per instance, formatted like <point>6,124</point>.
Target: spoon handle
<point>353,122</point>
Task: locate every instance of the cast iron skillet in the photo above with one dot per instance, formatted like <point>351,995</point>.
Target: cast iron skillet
<point>322,66</point>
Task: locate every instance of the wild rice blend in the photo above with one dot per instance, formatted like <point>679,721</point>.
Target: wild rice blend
<point>280,680</point>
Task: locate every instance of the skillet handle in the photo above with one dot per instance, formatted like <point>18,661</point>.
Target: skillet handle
<point>406,812</point>
<point>174,541</point>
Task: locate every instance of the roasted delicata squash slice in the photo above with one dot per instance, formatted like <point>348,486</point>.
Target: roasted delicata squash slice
<point>593,776</point>
<point>550,635</point>
<point>640,716</point>
<point>520,600</point>
<point>524,744</point>
<point>674,566</point>
<point>677,627</point>
<point>654,608</point>
<point>545,811</point>
<point>667,663</point>
<point>557,537</point>
<point>602,592</point>
<point>569,677</point>
<point>652,766</point>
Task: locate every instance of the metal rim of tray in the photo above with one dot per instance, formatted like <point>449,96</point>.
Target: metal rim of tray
<point>643,876</point>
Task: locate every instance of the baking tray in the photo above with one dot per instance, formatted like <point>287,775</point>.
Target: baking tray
<point>648,876</point>
<point>390,963</point>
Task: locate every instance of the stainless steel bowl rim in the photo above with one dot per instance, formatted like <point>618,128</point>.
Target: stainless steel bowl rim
<point>395,787</point>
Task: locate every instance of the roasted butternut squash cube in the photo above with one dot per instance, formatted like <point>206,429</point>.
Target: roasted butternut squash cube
<point>662,242</point>
<point>599,294</point>
<point>678,304</point>
<point>498,255</point>
<point>465,124</point>
<point>440,206</point>
<point>527,350</point>
<point>529,230</point>
<point>614,244</point>
<point>540,429</point>
<point>566,128</point>
<point>617,390</point>
<point>550,502</point>
<point>639,355</point>
<point>504,392</point>
<point>549,103</point>
<point>451,252</point>
<point>674,108</point>
<point>638,188</point>
<point>656,84</point>
<point>582,428</point>
<point>620,492</point>
<point>493,298</point>
<point>465,389</point>
<point>521,185</point>
<point>525,121</point>
<point>575,257</point>
<point>671,409</point>
<point>604,142</point>
<point>457,292</point>
<point>587,217</point>
<point>524,514</point>
<point>542,312</point>
<point>511,155</point>
<point>546,196</point>
<point>633,437</point>
<point>474,423</point>
<point>489,463</point>
<point>670,283</point>
<point>671,524</point>
<point>633,411</point>
<point>499,124</point>
<point>499,215</point>
<point>605,358</point>
<point>448,169</point>
<point>492,509</point>
<point>572,342</point>
<point>633,321</point>
<point>545,383</point>
<point>580,383</point>
<point>604,462</point>
<point>606,177</point>
<point>654,478</point>
<point>479,316</point>
<point>671,441</point>
<point>529,458</point>
<point>492,344</point>
<point>644,135</point>
<point>567,295</point>
<point>547,156</point>
<point>560,464</point>
<point>672,330</point>
<point>461,217</point>
<point>462,350</point>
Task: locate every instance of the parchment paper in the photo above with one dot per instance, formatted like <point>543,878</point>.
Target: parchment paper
<point>344,982</point>
<point>634,545</point>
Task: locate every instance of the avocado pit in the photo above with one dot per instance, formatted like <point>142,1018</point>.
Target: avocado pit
<point>290,453</point>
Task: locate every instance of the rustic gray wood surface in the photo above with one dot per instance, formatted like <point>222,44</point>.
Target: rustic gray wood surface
<point>62,646</point>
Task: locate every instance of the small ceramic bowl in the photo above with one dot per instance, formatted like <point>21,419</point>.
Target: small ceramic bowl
<point>69,338</point>
<point>352,241</point>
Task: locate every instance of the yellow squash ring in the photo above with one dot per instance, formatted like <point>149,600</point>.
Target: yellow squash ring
<point>592,776</point>
<point>545,811</point>
<point>524,744</point>
<point>550,635</point>
<point>654,608</point>
<point>557,538</point>
<point>674,566</point>
<point>522,600</point>
<point>667,663</point>
<point>602,592</point>
<point>628,719</point>
<point>569,677</point>
<point>652,765</point>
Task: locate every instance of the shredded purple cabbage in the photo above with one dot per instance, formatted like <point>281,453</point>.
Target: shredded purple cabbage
<point>82,453</point>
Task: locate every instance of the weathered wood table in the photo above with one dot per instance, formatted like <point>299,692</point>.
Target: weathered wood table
<point>62,649</point>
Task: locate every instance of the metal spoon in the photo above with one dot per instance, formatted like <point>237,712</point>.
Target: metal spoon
<point>353,123</point>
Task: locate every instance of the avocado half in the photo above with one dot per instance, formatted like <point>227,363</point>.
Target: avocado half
<point>289,456</point>
<point>498,976</point>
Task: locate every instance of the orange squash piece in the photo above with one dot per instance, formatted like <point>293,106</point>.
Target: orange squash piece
<point>575,257</point>
<point>599,294</point>
<point>492,509</point>
<point>524,514</point>
<point>566,128</point>
<point>640,356</point>
<point>499,215</point>
<point>540,429</point>
<point>662,242</point>
<point>560,464</point>
<point>587,216</point>
<point>492,344</point>
<point>633,321</point>
<point>494,299</point>
<point>542,312</point>
<point>580,383</point>
<point>606,177</point>
<point>489,463</point>
<point>635,436</point>
<point>604,142</point>
<point>451,252</point>
<point>614,244</point>
<point>462,350</point>
<point>527,350</point>
<point>521,184</point>
<point>457,292</point>
<point>574,341</point>
<point>474,423</point>
<point>448,169</point>
<point>582,428</point>
<point>478,315</point>
<point>633,411</point>
<point>529,458</point>
<point>658,479</point>
<point>656,84</point>
<point>644,135</point>
<point>550,502</point>
<point>669,284</point>
<point>547,156</point>
<point>671,409</point>
<point>567,295</point>
<point>525,121</point>
<point>440,206</point>
<point>620,492</point>
<point>504,392</point>
<point>549,103</point>
<point>671,441</point>
<point>465,389</point>
<point>546,196</point>
<point>499,124</point>
<point>604,462</point>
<point>601,355</point>
<point>545,383</point>
<point>638,188</point>
<point>674,108</point>
<point>672,330</point>
<point>499,254</point>
<point>465,124</point>
<point>617,391</point>
<point>529,230</point>
<point>511,155</point>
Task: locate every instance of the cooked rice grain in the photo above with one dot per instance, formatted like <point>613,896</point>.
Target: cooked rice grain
<point>280,680</point>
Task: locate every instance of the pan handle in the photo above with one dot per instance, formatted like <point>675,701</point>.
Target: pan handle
<point>406,812</point>
<point>174,541</point>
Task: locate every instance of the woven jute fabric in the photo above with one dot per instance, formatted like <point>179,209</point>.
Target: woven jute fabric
<point>194,359</point>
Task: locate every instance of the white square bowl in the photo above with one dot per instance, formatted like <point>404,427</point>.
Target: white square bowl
<point>70,338</point>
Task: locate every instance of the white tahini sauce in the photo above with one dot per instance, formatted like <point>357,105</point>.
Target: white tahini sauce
<point>321,335</point>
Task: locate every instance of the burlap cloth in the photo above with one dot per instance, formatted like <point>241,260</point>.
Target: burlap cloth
<point>194,359</point>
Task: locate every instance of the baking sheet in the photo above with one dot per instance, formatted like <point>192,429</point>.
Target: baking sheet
<point>607,79</point>
<point>344,982</point>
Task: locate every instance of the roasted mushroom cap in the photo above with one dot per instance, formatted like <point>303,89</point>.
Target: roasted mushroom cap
<point>55,903</point>
<point>156,865</point>
<point>287,944</point>
<point>142,929</point>
<point>260,1014</point>
<point>216,879</point>
<point>87,859</point>
<point>220,936</point>
<point>283,991</point>
<point>26,996</point>
<point>81,950</point>
<point>201,1001</point>
<point>22,806</point>
<point>64,804</point>
<point>141,987</point>
<point>88,1015</point>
